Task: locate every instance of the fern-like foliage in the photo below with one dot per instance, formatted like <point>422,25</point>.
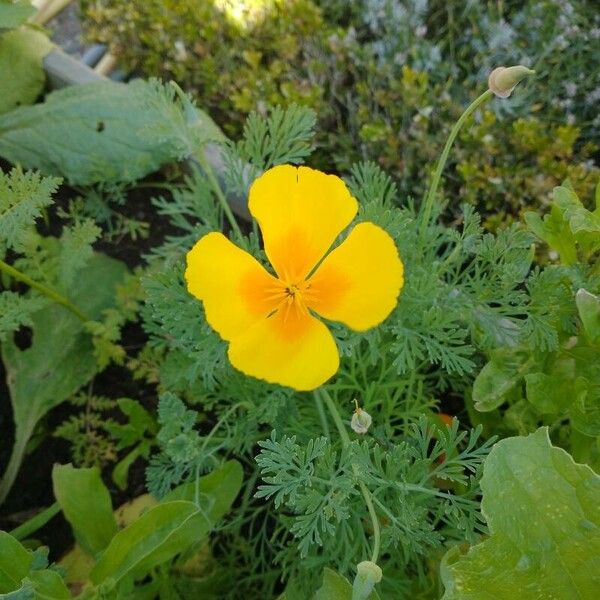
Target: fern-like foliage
<point>466,292</point>
<point>23,197</point>
<point>282,137</point>
<point>424,490</point>
<point>16,310</point>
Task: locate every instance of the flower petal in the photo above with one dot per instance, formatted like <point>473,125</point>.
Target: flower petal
<point>359,281</point>
<point>300,212</point>
<point>234,287</point>
<point>290,348</point>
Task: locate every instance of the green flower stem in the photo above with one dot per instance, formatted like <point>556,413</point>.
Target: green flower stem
<point>212,178</point>
<point>322,415</point>
<point>32,525</point>
<point>435,182</point>
<point>205,444</point>
<point>363,488</point>
<point>55,296</point>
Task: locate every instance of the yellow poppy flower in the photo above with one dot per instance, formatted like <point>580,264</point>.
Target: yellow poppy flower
<point>268,319</point>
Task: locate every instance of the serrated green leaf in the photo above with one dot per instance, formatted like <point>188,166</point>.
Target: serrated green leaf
<point>14,13</point>
<point>555,231</point>
<point>86,504</point>
<point>580,219</point>
<point>23,196</point>
<point>109,132</point>
<point>543,512</point>
<point>22,77</point>
<point>76,249</point>
<point>499,377</point>
<point>16,310</point>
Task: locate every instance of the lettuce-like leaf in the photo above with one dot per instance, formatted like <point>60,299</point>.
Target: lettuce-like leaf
<point>543,512</point>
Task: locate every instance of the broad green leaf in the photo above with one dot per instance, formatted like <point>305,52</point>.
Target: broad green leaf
<point>588,306</point>
<point>23,577</point>
<point>22,76</point>
<point>155,538</point>
<point>86,504</point>
<point>15,562</point>
<point>543,513</point>
<point>48,585</point>
<point>499,377</point>
<point>336,587</point>
<point>171,527</point>
<point>108,132</point>
<point>218,489</point>
<point>14,13</point>
<point>61,356</point>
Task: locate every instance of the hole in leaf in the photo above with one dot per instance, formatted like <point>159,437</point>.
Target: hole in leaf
<point>100,126</point>
<point>23,337</point>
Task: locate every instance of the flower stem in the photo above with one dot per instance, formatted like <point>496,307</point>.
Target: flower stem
<point>55,296</point>
<point>212,178</point>
<point>435,182</point>
<point>363,488</point>
<point>322,415</point>
<point>32,525</point>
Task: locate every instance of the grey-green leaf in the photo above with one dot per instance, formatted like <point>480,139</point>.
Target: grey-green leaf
<point>61,356</point>
<point>543,512</point>
<point>108,132</point>
<point>86,504</point>
<point>499,377</point>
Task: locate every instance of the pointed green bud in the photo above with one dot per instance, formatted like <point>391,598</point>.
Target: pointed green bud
<point>367,575</point>
<point>503,80</point>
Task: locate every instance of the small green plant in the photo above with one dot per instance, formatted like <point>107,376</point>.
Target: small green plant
<point>558,386</point>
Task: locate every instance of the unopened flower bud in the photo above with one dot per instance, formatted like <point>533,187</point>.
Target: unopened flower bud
<point>503,80</point>
<point>367,575</point>
<point>361,420</point>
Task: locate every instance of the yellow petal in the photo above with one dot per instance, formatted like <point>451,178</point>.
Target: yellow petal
<point>358,283</point>
<point>300,212</point>
<point>290,348</point>
<point>234,287</point>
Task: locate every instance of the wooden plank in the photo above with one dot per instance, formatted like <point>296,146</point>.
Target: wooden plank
<point>63,70</point>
